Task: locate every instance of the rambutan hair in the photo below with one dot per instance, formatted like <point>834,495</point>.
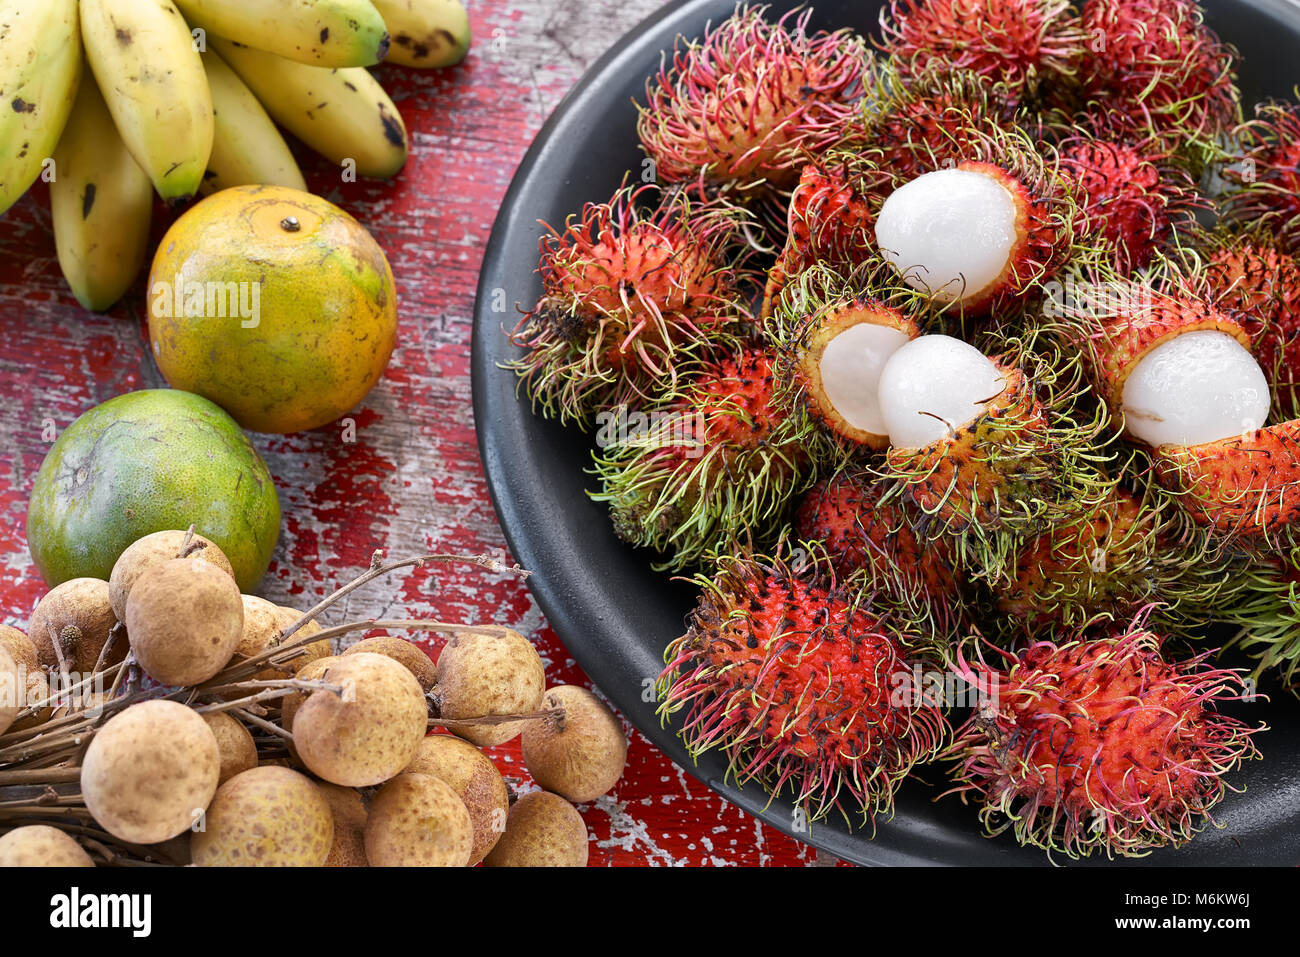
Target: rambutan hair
<point>635,296</point>
<point>1100,744</point>
<point>801,687</point>
<point>1018,43</point>
<point>1173,74</point>
<point>714,465</point>
<point>746,105</point>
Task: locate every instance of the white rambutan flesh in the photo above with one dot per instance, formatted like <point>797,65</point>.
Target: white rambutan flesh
<point>1199,387</point>
<point>850,371</point>
<point>933,386</point>
<point>949,232</point>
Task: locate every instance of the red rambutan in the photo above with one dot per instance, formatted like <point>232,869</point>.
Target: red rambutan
<point>632,297</point>
<point>1171,72</point>
<point>1100,744</point>
<point>749,102</point>
<point>1020,43</point>
<point>1133,196</point>
<point>870,546</point>
<point>708,466</point>
<point>798,685</point>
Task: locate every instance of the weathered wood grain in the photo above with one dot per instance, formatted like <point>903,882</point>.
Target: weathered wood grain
<point>412,480</point>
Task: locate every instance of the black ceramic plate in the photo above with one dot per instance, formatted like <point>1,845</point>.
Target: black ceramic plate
<point>615,615</point>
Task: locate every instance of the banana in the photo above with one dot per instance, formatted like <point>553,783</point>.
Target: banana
<point>40,68</point>
<point>146,64</point>
<point>343,114</point>
<point>247,149</point>
<point>101,202</point>
<point>425,33</point>
<point>330,33</point>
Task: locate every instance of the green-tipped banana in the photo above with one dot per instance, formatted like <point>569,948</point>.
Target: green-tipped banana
<point>148,68</point>
<point>247,149</point>
<point>331,33</point>
<point>101,202</point>
<point>343,114</point>
<point>425,33</point>
<point>40,68</point>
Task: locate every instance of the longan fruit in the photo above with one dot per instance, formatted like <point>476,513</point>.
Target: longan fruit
<point>417,820</point>
<point>79,616</point>
<point>579,755</point>
<point>234,741</point>
<point>184,618</point>
<point>150,771</point>
<point>543,830</point>
<point>39,845</point>
<point>153,550</point>
<point>369,733</point>
<point>476,781</point>
<point>403,652</point>
<point>484,675</point>
<point>265,817</point>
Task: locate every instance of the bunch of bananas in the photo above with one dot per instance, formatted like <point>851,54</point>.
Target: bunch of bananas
<point>111,100</point>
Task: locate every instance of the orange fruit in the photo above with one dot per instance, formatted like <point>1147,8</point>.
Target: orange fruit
<point>273,303</point>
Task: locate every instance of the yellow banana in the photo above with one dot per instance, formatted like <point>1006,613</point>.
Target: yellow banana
<point>148,68</point>
<point>40,67</point>
<point>322,33</point>
<point>343,114</point>
<point>101,203</point>
<point>425,33</point>
<point>247,149</point>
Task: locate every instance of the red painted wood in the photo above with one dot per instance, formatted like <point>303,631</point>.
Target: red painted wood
<point>412,481</point>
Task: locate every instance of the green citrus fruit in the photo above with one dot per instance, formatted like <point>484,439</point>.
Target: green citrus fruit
<point>273,303</point>
<point>146,462</point>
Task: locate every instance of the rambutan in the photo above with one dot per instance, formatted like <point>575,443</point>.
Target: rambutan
<point>1257,281</point>
<point>633,297</point>
<point>799,686</point>
<point>1100,744</point>
<point>871,548</point>
<point>706,467</point>
<point>1102,568</point>
<point>988,450</point>
<point>1268,172</point>
<point>832,335</point>
<point>1134,196</point>
<point>985,232</point>
<point>1019,43</point>
<point>828,221</point>
<point>1172,73</point>
<point>749,102</point>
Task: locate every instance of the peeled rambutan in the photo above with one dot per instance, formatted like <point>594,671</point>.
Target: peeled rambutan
<point>1268,172</point>
<point>1172,73</point>
<point>1100,744</point>
<point>708,466</point>
<point>799,686</point>
<point>1133,196</point>
<point>988,449</point>
<point>632,298</point>
<point>747,104</point>
<point>871,548</point>
<point>1020,43</point>
<point>982,230</point>
<point>1103,567</point>
<point>832,335</point>
<point>1254,278</point>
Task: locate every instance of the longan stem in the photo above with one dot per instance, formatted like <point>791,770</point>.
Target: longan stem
<point>377,569</point>
<point>263,724</point>
<point>39,776</point>
<point>270,690</point>
<point>557,713</point>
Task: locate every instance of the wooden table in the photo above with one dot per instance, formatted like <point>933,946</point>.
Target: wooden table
<point>412,481</point>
